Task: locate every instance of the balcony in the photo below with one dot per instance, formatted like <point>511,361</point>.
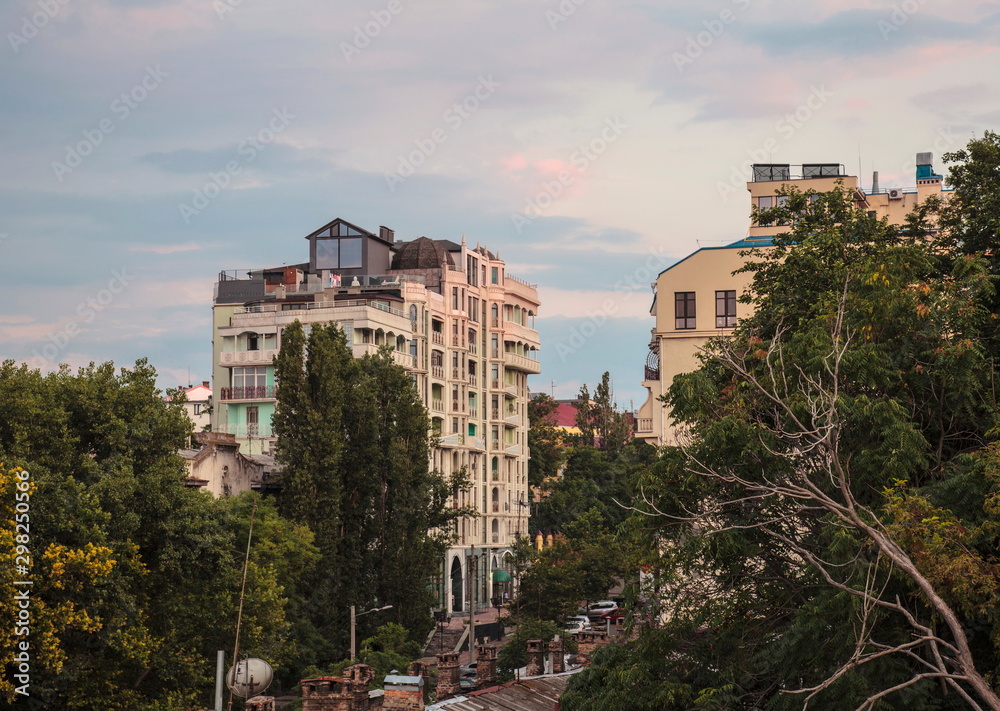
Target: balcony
<point>514,449</point>
<point>453,440</point>
<point>523,363</point>
<point>519,331</point>
<point>248,392</point>
<point>473,380</point>
<point>437,405</point>
<point>258,429</point>
<point>437,337</point>
<point>476,443</point>
<point>644,425</point>
<point>437,371</point>
<point>363,313</point>
<point>398,357</point>
<point>261,357</point>
<point>518,287</point>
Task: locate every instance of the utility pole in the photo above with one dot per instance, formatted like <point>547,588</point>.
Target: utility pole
<point>354,625</point>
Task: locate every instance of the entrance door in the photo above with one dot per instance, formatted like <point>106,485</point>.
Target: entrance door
<point>456,586</point>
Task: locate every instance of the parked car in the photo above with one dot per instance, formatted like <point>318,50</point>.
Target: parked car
<point>599,609</point>
<point>582,619</point>
<point>615,617</point>
<point>576,625</point>
<point>467,677</point>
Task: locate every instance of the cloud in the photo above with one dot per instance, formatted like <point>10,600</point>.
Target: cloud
<point>855,33</point>
<point>164,249</point>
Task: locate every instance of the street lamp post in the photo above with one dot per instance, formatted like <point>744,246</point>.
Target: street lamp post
<point>354,624</point>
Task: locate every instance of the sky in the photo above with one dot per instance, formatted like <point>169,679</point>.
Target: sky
<point>150,144</point>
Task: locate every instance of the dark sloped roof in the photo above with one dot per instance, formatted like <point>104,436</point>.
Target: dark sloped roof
<point>421,253</point>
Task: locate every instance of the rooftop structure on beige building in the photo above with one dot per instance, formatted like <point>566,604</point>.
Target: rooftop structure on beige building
<point>461,326</point>
<point>697,298</point>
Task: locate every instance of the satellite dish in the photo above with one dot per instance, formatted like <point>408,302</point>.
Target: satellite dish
<point>249,677</point>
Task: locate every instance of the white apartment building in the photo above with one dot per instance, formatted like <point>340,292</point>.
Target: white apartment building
<point>463,328</point>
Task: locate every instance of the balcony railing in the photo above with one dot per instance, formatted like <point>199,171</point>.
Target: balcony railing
<point>437,337</point>
<point>271,308</point>
<point>248,392</point>
<point>651,373</point>
<point>254,429</point>
<point>473,380</point>
<point>644,424</point>
<point>437,371</point>
<point>437,404</point>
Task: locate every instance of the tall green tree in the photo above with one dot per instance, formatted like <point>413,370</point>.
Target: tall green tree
<point>353,439</point>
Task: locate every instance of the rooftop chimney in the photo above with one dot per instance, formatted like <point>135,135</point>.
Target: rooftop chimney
<point>205,383</point>
<point>874,182</point>
<point>386,234</point>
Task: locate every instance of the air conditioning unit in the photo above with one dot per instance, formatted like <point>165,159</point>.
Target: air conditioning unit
<point>895,194</point>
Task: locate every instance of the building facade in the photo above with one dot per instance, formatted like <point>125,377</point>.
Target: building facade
<point>462,327</point>
<point>697,298</point>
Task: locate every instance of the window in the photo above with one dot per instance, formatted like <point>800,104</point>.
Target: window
<point>253,342</point>
<point>725,309</point>
<point>197,408</point>
<point>252,421</point>
<point>250,377</point>
<point>454,298</point>
<point>684,309</point>
<point>338,253</point>
<point>494,275</point>
<point>472,268</point>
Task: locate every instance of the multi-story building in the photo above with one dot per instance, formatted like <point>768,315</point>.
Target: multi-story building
<point>462,327</point>
<point>697,297</point>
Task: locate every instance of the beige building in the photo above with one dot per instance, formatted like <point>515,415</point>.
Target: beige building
<point>463,328</point>
<point>697,298</point>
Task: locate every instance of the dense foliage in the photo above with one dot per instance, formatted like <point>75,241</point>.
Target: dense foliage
<point>136,577</point>
<point>353,439</point>
<point>829,534</point>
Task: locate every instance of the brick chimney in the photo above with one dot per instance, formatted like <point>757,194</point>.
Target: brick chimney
<point>386,234</point>
<point>536,657</point>
<point>423,670</point>
<point>403,693</point>
<point>486,666</point>
<point>556,651</point>
<point>334,693</point>
<point>447,683</point>
<point>260,703</point>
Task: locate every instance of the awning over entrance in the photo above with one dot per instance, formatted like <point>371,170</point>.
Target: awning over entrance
<point>501,576</point>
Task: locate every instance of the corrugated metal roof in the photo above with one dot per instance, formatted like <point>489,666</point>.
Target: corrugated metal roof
<point>538,693</point>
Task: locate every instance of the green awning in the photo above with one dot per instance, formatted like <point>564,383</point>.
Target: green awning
<point>501,576</point>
